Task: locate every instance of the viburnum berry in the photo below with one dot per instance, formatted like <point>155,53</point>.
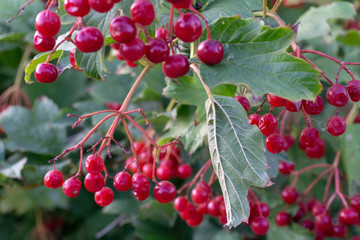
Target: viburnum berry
<point>282,219</point>
<point>101,6</point>
<point>123,181</point>
<point>337,95</point>
<point>140,186</point>
<point>260,225</point>
<point>94,182</point>
<point>317,209</point>
<point>314,107</point>
<point>196,220</point>
<point>164,192</point>
<point>77,8</point>
<point>157,50</point>
<point>276,101</point>
<point>210,52</point>
<point>47,23</point>
<point>244,102</point>
<point>323,222</point>
<point>309,137</point>
<point>336,126</point>
<point>202,207</point>
<point>94,164</point>
<point>188,27</point>
<point>185,4</point>
<point>189,212</point>
<point>354,90</point>
<point>130,164</point>
<point>71,187</point>
<point>131,64</point>
<point>254,119</point>
<point>142,12</point>
<point>199,195</point>
<point>355,203</point>
<point>293,106</point>
<point>286,168</point>
<point>43,43</point>
<point>308,224</point>
<point>46,73</point>
<point>184,171</point>
<point>348,216</point>
<point>161,33</point>
<point>163,172</point>
<point>222,219</point>
<point>268,124</point>
<point>89,39</point>
<point>340,231</point>
<point>180,204</point>
<point>289,195</point>
<point>260,209</point>
<point>147,169</point>
<point>213,207</point>
<point>53,179</point>
<point>104,197</point>
<point>133,51</point>
<point>72,59</point>
<point>122,29</point>
<point>274,143</point>
<point>300,212</point>
<point>317,151</point>
<point>176,66</point>
<point>288,142</point>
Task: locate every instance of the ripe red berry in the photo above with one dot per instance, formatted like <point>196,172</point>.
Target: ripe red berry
<point>282,219</point>
<point>101,6</point>
<point>188,27</point>
<point>94,164</point>
<point>89,39</point>
<point>157,50</point>
<point>190,212</point>
<point>274,143</point>
<point>122,29</point>
<point>71,187</point>
<point>317,209</point>
<point>254,119</point>
<point>213,207</point>
<point>314,107</point>
<point>176,66</point>
<point>289,195</point>
<point>130,164</point>
<point>77,8</point>
<point>164,192</point>
<point>140,186</point>
<point>43,43</point>
<point>308,224</point>
<point>180,204</point>
<point>348,216</point>
<point>222,220</point>
<point>354,90</point>
<point>323,222</point>
<point>268,124</point>
<point>199,195</point>
<point>53,179</point>
<point>300,212</point>
<point>309,137</point>
<point>133,51</point>
<point>196,220</point>
<point>46,73</point>
<point>260,209</point>
<point>161,33</point>
<point>336,126</point>
<point>142,12</point>
<point>286,168</point>
<point>184,171</point>
<point>355,202</point>
<point>288,142</point>
<point>104,197</point>
<point>337,95</point>
<point>222,208</point>
<point>122,181</point>
<point>260,225</point>
<point>244,102</point>
<point>72,59</point>
<point>276,101</point>
<point>163,172</point>
<point>185,4</point>
<point>210,52</point>
<point>317,151</point>
<point>340,231</point>
<point>293,106</point>
<point>94,182</point>
<point>202,207</point>
<point>47,23</point>
<point>147,169</point>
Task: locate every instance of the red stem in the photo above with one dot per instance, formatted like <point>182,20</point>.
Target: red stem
<point>171,18</point>
<point>21,10</point>
<point>205,20</point>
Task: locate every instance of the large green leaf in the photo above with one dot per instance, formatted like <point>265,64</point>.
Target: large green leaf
<point>255,55</point>
<point>293,232</point>
<point>237,153</point>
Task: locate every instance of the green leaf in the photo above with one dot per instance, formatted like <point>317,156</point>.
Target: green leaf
<point>237,153</point>
<point>255,55</point>
<point>313,23</point>
<point>293,232</point>
<point>352,38</point>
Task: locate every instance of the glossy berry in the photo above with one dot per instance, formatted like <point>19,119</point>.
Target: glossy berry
<point>180,204</point>
<point>317,209</point>
<point>308,224</point>
<point>94,164</point>
<point>289,195</point>
<point>188,27</point>
<point>123,181</point>
<point>157,50</point>
<point>147,169</point>
<point>355,202</point>
<point>122,29</point>
<point>89,39</point>
<point>309,137</point>
<point>73,60</point>
<point>46,73</point>
<point>133,51</point>
<point>210,52</point>
<point>340,231</point>
<point>101,6</point>
<point>163,172</point>
<point>43,43</point>
<point>354,90</point>
<point>130,164</point>
<point>300,213</point>
<point>77,8</point>
<point>348,216</point>
<point>276,101</point>
<point>317,151</point>
<point>71,187</point>
<point>314,107</point>
<point>199,195</point>
<point>196,220</point>
<point>336,126</point>
<point>164,192</point>
<point>286,168</point>
<point>268,124</point>
<point>53,179</point>
<point>176,66</point>
<point>184,171</point>
<point>293,106</point>
<point>337,95</point>
<point>94,182</point>
<point>184,4</point>
<point>140,186</point>
<point>142,12</point>
<point>47,23</point>
<point>288,142</point>
<point>104,197</point>
<point>161,33</point>
<point>189,212</point>
<point>213,207</point>
<point>282,219</point>
<point>244,102</point>
<point>254,119</point>
<point>274,143</point>
<point>260,209</point>
<point>202,207</point>
<point>260,225</point>
<point>323,222</point>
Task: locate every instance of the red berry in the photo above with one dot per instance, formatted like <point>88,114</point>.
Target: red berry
<point>254,119</point>
<point>268,124</point>
<point>317,151</point>
<point>244,102</point>
<point>71,187</point>
<point>185,4</point>
<point>289,195</point>
<point>133,51</point>
<point>260,225</point>
<point>77,8</point>
<point>139,147</point>
<point>184,171</point>
<point>293,106</point>
<point>163,172</point>
<point>94,182</point>
<point>348,216</point>
<point>276,101</point>
<point>314,107</point>
<point>43,43</point>
<point>213,207</point>
<point>122,29</point>
<point>157,50</point>
<point>122,181</point>
<point>164,192</point>
<point>142,12</point>
<point>308,224</point>
<point>309,137</point>
<point>46,73</point>
<point>300,213</point>
<point>202,207</point>
<point>115,46</point>
<point>190,212</point>
<point>210,52</point>
<point>340,231</point>
<point>354,90</point>
<point>355,202</point>
<point>274,143</point>
<point>336,126</point>
<point>131,64</point>
<point>131,165</point>
<point>101,6</point>
<point>89,39</point>
<point>337,95</point>
<point>94,164</point>
<point>196,220</point>
<point>47,23</point>
<point>288,142</point>
<point>222,220</point>
<point>53,179</point>
<point>72,59</point>
<point>176,66</point>
<point>199,195</point>
<point>147,169</point>
<point>222,208</point>
<point>286,168</point>
<point>104,197</point>
<point>283,219</point>
<point>323,222</point>
<point>161,33</point>
<point>140,186</point>
<point>188,27</point>
<point>180,204</point>
<point>317,209</point>
<point>260,209</point>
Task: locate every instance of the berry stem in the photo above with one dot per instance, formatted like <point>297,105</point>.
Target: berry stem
<point>337,188</point>
<point>20,11</point>
<point>154,165</point>
<point>338,74</point>
<point>171,18</point>
<point>142,131</point>
<point>252,194</point>
<point>131,144</point>
<point>306,117</point>
<point>207,89</point>
<point>316,180</point>
<point>283,121</point>
<point>22,64</point>
<point>80,118</point>
<point>328,184</point>
<point>264,6</point>
<point>331,199</point>
<point>204,19</point>
<point>276,6</point>
<point>308,168</point>
<point>192,182</point>
<point>317,68</point>
<point>261,104</point>
<point>81,162</point>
